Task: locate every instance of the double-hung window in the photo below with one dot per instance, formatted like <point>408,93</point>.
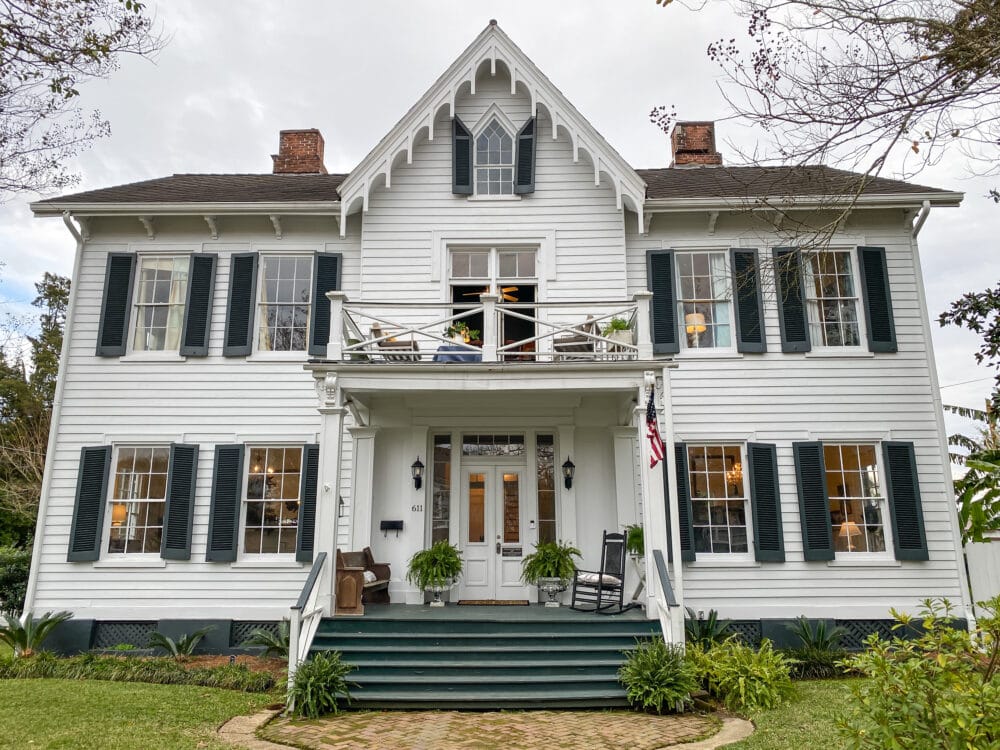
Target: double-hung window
<point>719,500</point>
<point>271,501</point>
<point>285,303</point>
<point>856,500</point>
<point>705,299</point>
<point>494,161</point>
<point>159,302</point>
<point>138,496</point>
<point>832,299</point>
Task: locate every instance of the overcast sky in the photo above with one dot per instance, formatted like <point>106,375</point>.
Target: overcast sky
<point>235,73</point>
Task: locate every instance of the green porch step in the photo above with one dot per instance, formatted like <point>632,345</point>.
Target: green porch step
<point>530,658</point>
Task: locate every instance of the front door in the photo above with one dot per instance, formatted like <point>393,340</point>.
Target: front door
<point>493,532</point>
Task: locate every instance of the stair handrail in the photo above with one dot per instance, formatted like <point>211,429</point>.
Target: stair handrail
<point>304,620</point>
<point>664,597</point>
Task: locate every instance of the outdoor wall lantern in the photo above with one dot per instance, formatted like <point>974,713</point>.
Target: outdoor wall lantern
<point>417,471</point>
<point>569,468</point>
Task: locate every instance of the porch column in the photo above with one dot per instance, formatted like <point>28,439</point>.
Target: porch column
<point>623,439</point>
<point>362,486</point>
<point>567,498</point>
<point>328,481</point>
<point>643,326</point>
<point>335,344</point>
<point>677,569</point>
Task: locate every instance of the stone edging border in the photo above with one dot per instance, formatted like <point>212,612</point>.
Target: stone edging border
<point>241,730</point>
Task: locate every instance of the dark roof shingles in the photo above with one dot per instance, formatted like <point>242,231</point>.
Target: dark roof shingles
<point>752,182</point>
<point>216,188</point>
<point>662,184</point>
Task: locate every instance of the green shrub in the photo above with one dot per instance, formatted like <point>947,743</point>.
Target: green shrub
<point>657,677</point>
<point>183,647</point>
<point>819,652</point>
<point>14,566</point>
<point>275,644</point>
<point>161,671</point>
<point>938,688</point>
<point>318,685</point>
<point>635,543</point>
<point>743,678</point>
<point>705,633</point>
<point>27,637</point>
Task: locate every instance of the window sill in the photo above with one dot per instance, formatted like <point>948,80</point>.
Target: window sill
<point>491,198</point>
<point>835,352</point>
<point>279,563</point>
<point>139,562</point>
<point>709,354</point>
<point>722,563</point>
<point>171,356</point>
<point>278,357</point>
<point>865,562</point>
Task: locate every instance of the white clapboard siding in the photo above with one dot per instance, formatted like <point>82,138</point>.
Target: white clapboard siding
<point>209,401</point>
<point>784,398</point>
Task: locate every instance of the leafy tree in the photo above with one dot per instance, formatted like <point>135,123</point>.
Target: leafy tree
<point>48,48</point>
<point>980,312</point>
<point>27,389</point>
<point>977,492</point>
<point>861,80</point>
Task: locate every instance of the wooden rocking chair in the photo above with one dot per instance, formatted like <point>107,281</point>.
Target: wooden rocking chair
<point>603,591</point>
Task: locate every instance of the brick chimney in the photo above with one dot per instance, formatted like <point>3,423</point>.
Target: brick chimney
<point>299,152</point>
<point>693,145</point>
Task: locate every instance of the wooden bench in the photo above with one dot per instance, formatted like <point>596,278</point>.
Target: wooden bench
<point>354,588</point>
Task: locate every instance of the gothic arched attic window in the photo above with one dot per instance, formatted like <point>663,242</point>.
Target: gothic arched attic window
<point>494,161</point>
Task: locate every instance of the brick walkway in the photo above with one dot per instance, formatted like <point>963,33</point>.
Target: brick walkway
<point>510,730</point>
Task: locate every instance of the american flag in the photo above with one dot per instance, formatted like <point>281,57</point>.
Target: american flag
<point>656,447</point>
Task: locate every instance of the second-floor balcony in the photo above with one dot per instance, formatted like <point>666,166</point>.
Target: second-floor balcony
<point>490,331</point>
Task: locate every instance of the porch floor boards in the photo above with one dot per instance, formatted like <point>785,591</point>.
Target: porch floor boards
<point>484,657</point>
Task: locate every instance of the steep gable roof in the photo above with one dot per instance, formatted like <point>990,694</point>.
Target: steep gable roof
<point>491,46</point>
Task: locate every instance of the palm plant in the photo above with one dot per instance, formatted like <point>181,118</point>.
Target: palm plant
<point>634,540</point>
<point>183,647</point>
<point>704,632</point>
<point>275,644</point>
<point>27,637</point>
<point>818,636</point>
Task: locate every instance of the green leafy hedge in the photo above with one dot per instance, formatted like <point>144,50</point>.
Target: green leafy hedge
<point>161,671</point>
<point>14,566</point>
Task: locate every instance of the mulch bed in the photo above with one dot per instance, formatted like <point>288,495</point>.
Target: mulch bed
<point>276,667</point>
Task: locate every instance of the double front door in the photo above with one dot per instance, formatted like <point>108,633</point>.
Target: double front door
<point>492,528</point>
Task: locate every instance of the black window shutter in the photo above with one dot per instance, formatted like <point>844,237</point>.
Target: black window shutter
<point>307,504</point>
<point>749,302</point>
<point>525,180</point>
<point>765,502</point>
<point>663,309</point>
<point>198,306</point>
<point>791,300</point>
<point>814,504</point>
<point>240,305</point>
<point>461,160</point>
<point>879,322</point>
<point>326,278</point>
<point>113,330</point>
<point>903,491</point>
<point>88,510</point>
<point>683,502</point>
<point>227,493</point>
<point>178,515</point>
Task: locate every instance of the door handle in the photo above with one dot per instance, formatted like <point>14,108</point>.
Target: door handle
<point>498,548</point>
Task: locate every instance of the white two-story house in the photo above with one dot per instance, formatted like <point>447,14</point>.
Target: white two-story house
<point>256,366</point>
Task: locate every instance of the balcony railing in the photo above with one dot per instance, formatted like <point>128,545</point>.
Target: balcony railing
<point>403,332</point>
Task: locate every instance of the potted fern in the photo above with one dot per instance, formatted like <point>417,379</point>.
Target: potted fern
<point>550,567</point>
<point>635,543</point>
<point>435,569</point>
<point>617,329</point>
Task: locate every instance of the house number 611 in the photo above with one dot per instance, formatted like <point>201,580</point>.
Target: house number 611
<point>417,508</point>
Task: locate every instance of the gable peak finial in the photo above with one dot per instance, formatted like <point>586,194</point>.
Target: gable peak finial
<point>493,22</point>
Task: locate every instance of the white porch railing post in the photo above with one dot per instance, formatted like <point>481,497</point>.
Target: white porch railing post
<point>334,347</point>
<point>643,328</point>
<point>491,326</point>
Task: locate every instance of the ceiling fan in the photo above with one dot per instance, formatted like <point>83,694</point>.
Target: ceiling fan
<point>505,293</point>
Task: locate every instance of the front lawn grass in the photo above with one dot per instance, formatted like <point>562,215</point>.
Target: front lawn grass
<point>82,714</point>
<point>806,721</point>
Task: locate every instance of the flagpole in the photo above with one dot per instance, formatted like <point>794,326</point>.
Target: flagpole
<point>677,568</point>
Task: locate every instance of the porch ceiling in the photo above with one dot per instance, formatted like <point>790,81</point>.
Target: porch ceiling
<point>583,377</point>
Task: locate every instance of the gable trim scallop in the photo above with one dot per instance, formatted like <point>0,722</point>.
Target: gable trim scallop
<point>491,46</point>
